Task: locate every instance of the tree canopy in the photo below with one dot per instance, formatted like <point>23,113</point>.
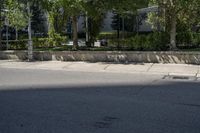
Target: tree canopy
<point>172,12</point>
<point>16,16</point>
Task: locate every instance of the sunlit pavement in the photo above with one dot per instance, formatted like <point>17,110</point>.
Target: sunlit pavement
<point>40,98</point>
<point>139,68</point>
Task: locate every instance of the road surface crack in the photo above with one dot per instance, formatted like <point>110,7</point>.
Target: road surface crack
<point>190,105</point>
<point>150,67</point>
<point>106,67</point>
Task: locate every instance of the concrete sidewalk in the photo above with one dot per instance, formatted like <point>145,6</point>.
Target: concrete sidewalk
<point>150,68</point>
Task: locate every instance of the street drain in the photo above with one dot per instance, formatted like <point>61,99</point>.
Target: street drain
<point>175,77</point>
<point>180,77</point>
<point>102,125</point>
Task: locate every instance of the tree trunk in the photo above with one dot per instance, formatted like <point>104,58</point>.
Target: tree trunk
<point>0,26</point>
<point>75,32</point>
<point>30,43</point>
<point>16,34</point>
<point>87,30</point>
<point>48,22</point>
<point>0,40</point>
<point>123,27</point>
<point>118,31</point>
<point>173,33</point>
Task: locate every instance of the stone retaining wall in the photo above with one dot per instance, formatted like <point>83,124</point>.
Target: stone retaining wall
<point>109,56</point>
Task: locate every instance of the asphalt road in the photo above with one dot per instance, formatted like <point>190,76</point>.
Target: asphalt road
<point>44,101</point>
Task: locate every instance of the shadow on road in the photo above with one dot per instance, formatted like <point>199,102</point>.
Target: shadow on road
<point>163,107</point>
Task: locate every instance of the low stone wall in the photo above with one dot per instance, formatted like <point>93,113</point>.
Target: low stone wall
<point>109,56</point>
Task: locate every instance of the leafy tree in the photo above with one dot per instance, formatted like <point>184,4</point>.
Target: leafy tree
<point>51,7</point>
<point>27,9</point>
<point>16,16</point>
<point>173,11</point>
<point>74,8</point>
<point>95,9</point>
<point>38,18</point>
<point>1,19</point>
<point>122,8</point>
<point>94,28</point>
<point>95,14</point>
<point>116,22</point>
<point>129,22</point>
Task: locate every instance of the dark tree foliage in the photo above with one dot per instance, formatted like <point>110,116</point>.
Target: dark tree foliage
<point>116,22</point>
<point>38,20</point>
<point>1,19</point>
<point>2,6</point>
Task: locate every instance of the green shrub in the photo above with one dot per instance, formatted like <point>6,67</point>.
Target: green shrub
<point>113,35</point>
<point>184,38</point>
<point>152,41</point>
<point>196,39</point>
<point>18,44</point>
<point>188,39</point>
<point>40,43</point>
<point>109,35</point>
<point>49,42</point>
<point>136,42</point>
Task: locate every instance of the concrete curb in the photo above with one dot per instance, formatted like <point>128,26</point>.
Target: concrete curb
<point>174,57</point>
